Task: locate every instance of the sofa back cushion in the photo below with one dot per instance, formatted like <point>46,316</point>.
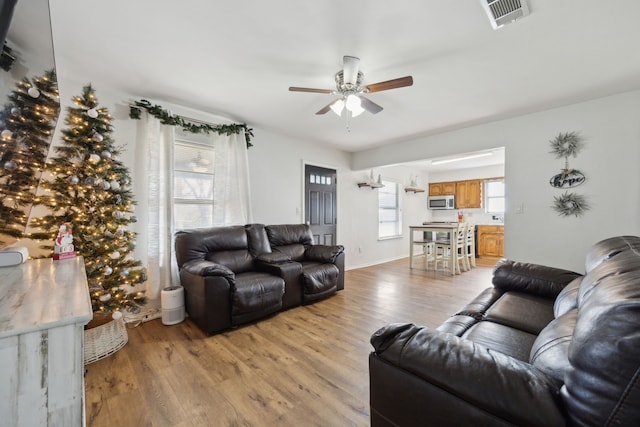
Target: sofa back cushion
<point>227,246</point>
<point>567,299</point>
<point>291,239</point>
<point>602,387</point>
<point>550,351</point>
<point>257,239</point>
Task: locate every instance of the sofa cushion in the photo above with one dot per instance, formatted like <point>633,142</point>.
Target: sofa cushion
<point>318,280</point>
<point>567,299</point>
<point>256,295</point>
<point>257,239</point>
<point>609,248</point>
<point>238,261</point>
<point>522,311</point>
<point>550,351</point>
<point>280,235</point>
<point>507,340</point>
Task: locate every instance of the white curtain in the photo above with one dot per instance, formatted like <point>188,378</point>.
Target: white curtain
<point>154,191</point>
<point>154,149</point>
<point>232,202</point>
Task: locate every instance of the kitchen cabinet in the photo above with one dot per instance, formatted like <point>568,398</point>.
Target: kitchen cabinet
<point>491,240</point>
<point>469,194</point>
<point>442,188</point>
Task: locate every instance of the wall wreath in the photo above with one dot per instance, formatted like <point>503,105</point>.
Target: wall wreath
<point>570,204</point>
<point>566,145</point>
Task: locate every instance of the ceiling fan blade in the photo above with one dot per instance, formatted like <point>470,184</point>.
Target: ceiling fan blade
<point>390,84</point>
<point>326,108</point>
<point>350,65</point>
<point>307,89</point>
<point>369,105</point>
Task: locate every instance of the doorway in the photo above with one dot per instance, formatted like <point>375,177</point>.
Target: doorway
<point>320,203</point>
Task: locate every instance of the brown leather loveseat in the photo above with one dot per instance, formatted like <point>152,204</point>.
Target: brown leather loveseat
<point>543,347</point>
<point>237,274</point>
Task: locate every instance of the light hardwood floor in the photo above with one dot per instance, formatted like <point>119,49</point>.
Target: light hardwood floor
<point>307,366</point>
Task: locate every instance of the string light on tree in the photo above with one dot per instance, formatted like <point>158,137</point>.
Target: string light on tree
<point>81,192</point>
<point>26,124</point>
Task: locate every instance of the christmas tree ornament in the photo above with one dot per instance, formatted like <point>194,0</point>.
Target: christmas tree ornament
<point>105,154</point>
<point>105,297</point>
<point>74,179</point>
<point>89,180</point>
<point>106,185</point>
<point>97,137</point>
<point>15,111</point>
<point>115,185</point>
<point>107,271</point>
<point>108,233</point>
<point>118,315</point>
<point>93,158</point>
<point>114,255</point>
<point>93,113</point>
<point>120,232</point>
<point>118,215</point>
<point>6,134</point>
<point>33,92</point>
<point>10,165</point>
<point>124,273</point>
<point>133,218</point>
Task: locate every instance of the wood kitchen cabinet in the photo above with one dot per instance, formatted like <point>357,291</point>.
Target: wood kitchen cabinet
<point>469,194</point>
<point>442,188</point>
<point>491,240</point>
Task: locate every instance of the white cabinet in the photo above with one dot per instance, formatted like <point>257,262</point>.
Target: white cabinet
<point>44,306</point>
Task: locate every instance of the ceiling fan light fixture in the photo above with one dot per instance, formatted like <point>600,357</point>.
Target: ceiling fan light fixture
<point>338,106</point>
<point>354,104</point>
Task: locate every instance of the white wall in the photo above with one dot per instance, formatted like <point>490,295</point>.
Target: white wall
<point>610,158</point>
<point>610,125</point>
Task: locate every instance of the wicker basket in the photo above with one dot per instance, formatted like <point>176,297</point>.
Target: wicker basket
<point>104,340</point>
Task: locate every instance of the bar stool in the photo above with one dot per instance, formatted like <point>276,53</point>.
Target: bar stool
<point>470,245</point>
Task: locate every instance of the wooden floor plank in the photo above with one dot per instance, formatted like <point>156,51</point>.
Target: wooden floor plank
<point>307,366</point>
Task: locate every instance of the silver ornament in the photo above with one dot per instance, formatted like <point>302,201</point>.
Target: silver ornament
<point>93,113</point>
<point>97,137</point>
<point>33,92</point>
<point>105,154</point>
<point>6,134</point>
<point>74,179</point>
<point>107,270</point>
<point>10,165</point>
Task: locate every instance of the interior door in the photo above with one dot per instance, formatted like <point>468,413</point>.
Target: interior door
<point>320,203</point>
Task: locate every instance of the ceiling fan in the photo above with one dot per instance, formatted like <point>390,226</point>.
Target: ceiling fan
<point>350,90</point>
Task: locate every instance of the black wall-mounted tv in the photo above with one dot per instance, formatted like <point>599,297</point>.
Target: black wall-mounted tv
<point>6,13</point>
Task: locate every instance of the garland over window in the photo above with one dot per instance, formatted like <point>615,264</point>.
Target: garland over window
<point>167,119</point>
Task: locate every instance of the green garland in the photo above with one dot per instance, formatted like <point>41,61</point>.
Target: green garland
<point>167,119</point>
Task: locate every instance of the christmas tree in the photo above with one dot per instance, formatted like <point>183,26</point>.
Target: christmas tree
<point>89,191</point>
<point>26,125</point>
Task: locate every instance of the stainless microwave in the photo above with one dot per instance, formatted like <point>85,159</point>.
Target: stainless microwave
<point>441,202</point>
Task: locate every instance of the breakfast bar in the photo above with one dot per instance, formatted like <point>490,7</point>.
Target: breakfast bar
<point>419,230</point>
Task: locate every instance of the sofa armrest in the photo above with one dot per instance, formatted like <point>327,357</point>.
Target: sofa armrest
<point>201,267</point>
<point>323,253</point>
<point>531,278</point>
<point>459,373</point>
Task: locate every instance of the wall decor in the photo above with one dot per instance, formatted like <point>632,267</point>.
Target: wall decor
<point>570,204</point>
<point>566,145</point>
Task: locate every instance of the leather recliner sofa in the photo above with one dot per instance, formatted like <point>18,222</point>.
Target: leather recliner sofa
<point>234,275</point>
<point>543,347</point>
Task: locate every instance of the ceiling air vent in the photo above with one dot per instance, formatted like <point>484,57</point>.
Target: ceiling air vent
<point>503,12</point>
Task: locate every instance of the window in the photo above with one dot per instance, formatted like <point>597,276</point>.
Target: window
<point>193,181</point>
<point>494,190</point>
<point>389,212</point>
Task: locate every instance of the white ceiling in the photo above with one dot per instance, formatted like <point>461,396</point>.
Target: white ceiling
<point>237,59</point>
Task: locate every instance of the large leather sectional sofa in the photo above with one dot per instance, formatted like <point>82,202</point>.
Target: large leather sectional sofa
<point>237,274</point>
<point>543,347</point>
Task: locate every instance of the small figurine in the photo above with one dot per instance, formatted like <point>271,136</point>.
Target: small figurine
<point>63,247</point>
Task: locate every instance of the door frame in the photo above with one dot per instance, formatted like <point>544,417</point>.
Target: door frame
<point>303,196</point>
